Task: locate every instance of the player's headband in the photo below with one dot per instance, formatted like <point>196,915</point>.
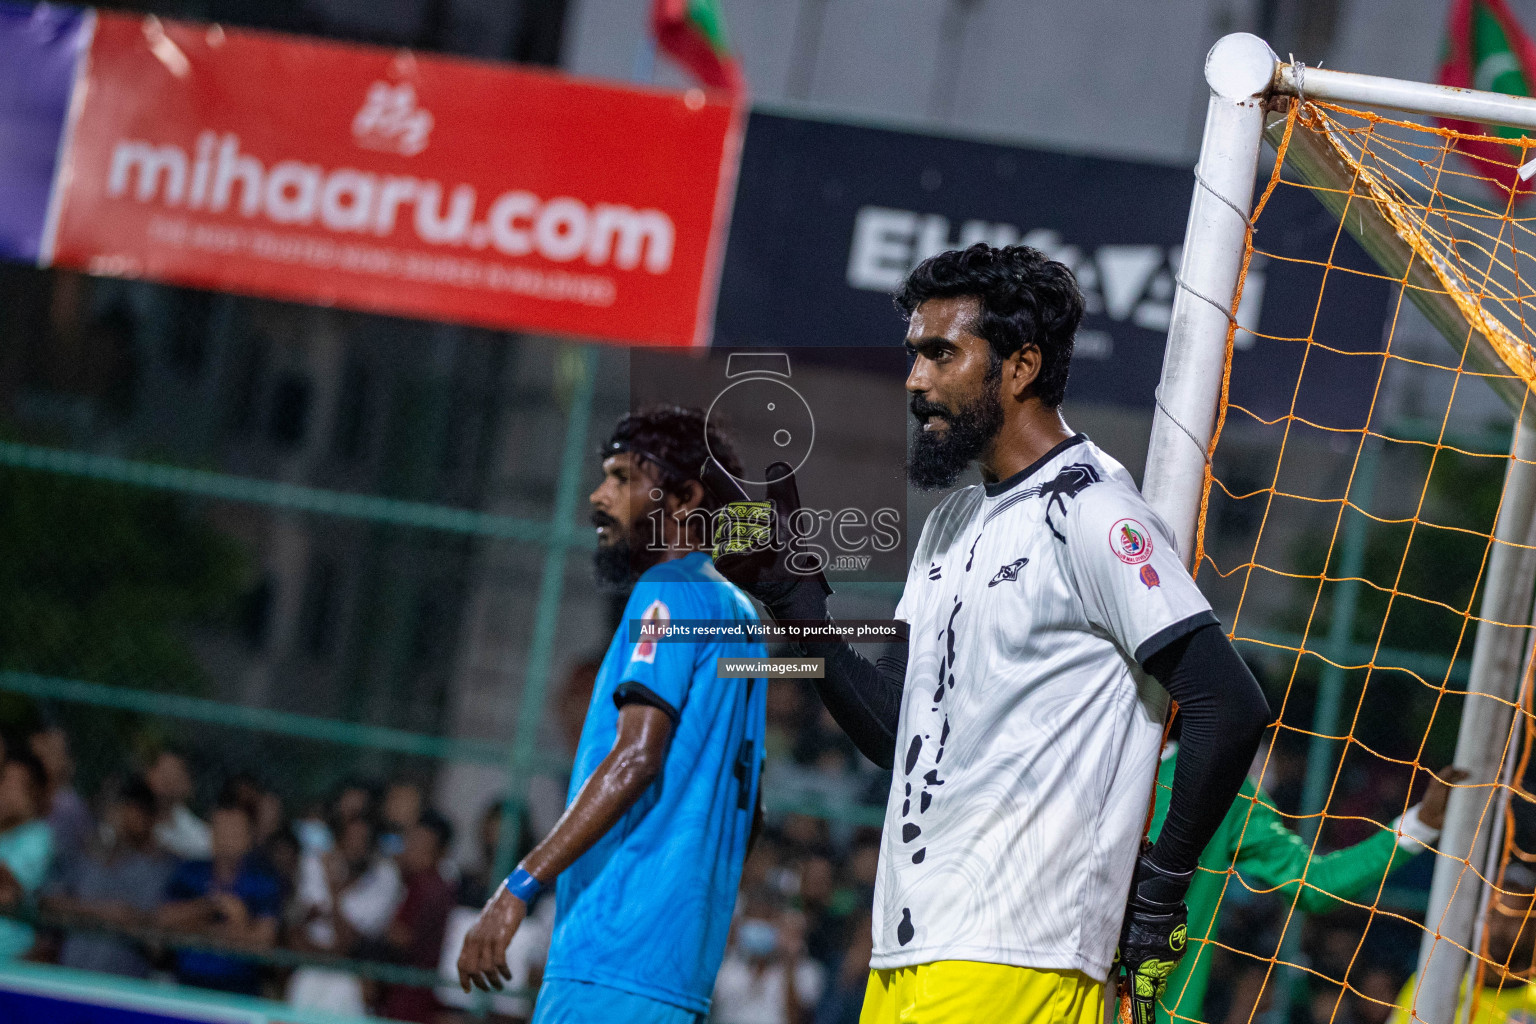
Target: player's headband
<point>671,470</point>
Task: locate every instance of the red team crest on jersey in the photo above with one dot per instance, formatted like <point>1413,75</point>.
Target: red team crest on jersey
<point>1149,576</point>
<point>1131,542</point>
<point>645,650</point>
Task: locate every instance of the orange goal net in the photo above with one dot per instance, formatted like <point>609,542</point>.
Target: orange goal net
<point>1366,536</point>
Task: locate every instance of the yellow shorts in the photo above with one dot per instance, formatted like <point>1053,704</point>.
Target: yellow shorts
<point>965,992</point>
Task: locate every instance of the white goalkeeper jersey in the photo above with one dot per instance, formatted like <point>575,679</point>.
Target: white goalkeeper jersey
<point>1029,734</point>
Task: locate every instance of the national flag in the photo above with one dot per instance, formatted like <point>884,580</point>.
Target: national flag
<point>692,32</point>
<point>1487,49</point>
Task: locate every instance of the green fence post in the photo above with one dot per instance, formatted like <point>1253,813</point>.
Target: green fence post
<point>1330,696</point>
<point>546,617</point>
<point>530,708</point>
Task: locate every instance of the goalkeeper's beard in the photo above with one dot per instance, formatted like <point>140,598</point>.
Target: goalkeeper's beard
<point>937,458</point>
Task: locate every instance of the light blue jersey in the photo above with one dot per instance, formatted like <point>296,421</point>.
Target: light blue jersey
<point>648,908</point>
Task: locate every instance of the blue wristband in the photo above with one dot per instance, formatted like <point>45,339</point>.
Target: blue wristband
<point>524,886</point>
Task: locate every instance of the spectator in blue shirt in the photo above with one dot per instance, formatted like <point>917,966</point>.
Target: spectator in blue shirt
<point>228,900</point>
<point>26,847</point>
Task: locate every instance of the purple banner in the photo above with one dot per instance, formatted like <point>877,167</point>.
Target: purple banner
<point>39,49</point>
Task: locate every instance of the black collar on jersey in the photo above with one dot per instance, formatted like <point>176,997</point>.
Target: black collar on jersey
<point>613,448</point>
<point>993,490</point>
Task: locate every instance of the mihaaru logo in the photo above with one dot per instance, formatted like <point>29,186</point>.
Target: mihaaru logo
<point>391,120</point>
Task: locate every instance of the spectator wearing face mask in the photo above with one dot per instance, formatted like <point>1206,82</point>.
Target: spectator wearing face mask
<point>26,847</point>
<point>119,886</point>
<point>347,895</point>
<point>766,977</point>
<point>400,811</point>
<point>415,936</point>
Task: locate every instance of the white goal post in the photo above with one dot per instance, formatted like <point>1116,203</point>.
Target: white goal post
<point>1247,83</point>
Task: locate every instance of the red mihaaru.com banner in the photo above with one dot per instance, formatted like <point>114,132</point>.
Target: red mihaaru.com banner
<point>394,182</point>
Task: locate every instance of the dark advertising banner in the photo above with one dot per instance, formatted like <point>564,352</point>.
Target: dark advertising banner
<point>830,217</point>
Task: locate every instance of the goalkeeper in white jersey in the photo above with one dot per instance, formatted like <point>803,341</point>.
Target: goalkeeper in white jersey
<point>1050,619</point>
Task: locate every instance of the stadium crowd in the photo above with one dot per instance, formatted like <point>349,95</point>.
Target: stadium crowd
<point>140,880</point>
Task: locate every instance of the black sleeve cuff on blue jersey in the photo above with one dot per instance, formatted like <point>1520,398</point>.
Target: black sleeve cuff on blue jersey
<point>1224,715</point>
<point>638,693</point>
<point>1168,634</point>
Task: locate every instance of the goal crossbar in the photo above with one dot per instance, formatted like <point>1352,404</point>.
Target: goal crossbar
<point>1320,165</point>
<point>1409,97</point>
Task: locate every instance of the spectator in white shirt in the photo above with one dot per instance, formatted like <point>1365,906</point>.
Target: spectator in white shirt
<point>345,895</point>
<point>766,977</point>
<point>179,832</point>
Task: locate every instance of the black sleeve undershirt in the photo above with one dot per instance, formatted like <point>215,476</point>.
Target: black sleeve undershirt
<point>1224,715</point>
<point>864,697</point>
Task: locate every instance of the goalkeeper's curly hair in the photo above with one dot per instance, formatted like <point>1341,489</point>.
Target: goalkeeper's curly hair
<point>1026,298</point>
<point>675,441</point>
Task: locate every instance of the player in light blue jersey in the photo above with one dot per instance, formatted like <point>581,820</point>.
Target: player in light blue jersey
<point>663,794</point>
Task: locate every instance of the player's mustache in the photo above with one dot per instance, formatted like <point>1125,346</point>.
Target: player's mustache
<point>603,519</point>
<point>922,409</point>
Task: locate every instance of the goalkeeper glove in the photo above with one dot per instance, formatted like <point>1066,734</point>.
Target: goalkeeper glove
<point>1153,936</point>
<point>757,549</point>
